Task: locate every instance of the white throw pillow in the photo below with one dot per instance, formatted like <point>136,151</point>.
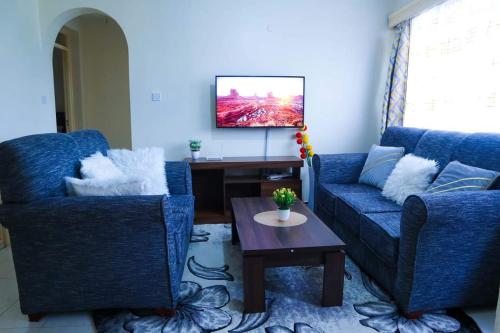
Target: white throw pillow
<point>98,166</point>
<point>143,163</point>
<point>411,175</point>
<point>105,187</point>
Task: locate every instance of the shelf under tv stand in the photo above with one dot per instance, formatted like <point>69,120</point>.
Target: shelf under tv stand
<point>215,182</point>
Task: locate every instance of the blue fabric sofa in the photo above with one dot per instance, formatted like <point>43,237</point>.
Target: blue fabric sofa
<point>436,251</point>
<point>82,253</point>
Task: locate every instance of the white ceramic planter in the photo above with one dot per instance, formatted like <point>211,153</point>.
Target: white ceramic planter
<point>283,214</point>
<point>195,155</point>
<point>310,202</point>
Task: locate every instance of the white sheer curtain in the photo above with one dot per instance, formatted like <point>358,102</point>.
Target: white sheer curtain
<point>454,67</point>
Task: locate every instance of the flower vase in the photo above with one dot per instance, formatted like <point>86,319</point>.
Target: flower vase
<point>195,154</point>
<point>310,202</point>
<point>283,214</point>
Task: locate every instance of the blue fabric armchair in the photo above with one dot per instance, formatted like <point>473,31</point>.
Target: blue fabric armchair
<point>436,251</point>
<point>83,253</point>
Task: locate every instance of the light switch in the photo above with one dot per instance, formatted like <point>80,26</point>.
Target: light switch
<point>44,100</point>
<point>156,96</point>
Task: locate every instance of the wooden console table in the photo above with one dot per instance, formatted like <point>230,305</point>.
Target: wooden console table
<point>215,182</point>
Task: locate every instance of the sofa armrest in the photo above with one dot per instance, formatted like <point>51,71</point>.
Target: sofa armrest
<point>179,177</point>
<point>338,168</point>
<point>449,250</point>
<point>179,211</point>
<point>101,245</point>
<point>82,210</point>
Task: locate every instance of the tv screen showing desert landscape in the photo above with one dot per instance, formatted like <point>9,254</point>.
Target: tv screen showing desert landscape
<point>259,101</point>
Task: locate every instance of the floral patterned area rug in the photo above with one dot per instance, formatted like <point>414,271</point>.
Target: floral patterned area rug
<point>212,300</point>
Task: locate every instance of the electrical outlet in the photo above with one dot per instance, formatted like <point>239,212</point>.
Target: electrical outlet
<point>156,96</point>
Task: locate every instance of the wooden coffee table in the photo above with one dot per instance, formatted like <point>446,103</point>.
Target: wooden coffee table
<point>308,244</point>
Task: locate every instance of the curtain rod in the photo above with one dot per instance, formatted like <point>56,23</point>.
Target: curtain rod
<point>411,10</point>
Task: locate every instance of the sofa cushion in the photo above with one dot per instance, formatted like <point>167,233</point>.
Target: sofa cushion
<point>481,150</point>
<point>329,192</point>
<point>147,164</point>
<point>439,146</point>
<point>412,175</point>
<point>350,206</point>
<point>106,187</point>
<point>339,189</point>
<point>98,166</point>
<point>379,164</point>
<point>460,177</point>
<point>406,137</point>
<point>381,232</point>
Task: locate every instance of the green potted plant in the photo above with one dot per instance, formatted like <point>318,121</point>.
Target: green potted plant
<point>284,199</point>
<point>195,146</point>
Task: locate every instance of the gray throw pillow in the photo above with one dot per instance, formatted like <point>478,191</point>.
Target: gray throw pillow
<point>460,177</point>
<point>379,165</point>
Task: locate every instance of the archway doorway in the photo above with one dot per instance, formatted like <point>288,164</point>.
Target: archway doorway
<point>91,78</point>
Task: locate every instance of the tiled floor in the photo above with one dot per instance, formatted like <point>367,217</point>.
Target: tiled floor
<point>13,321</point>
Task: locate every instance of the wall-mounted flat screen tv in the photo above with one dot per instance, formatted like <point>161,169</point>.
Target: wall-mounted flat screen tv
<point>259,101</point>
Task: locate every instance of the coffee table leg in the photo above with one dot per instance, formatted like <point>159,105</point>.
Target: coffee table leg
<point>253,284</point>
<point>234,233</point>
<point>333,279</point>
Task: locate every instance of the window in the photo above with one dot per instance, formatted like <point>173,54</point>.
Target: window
<point>454,67</point>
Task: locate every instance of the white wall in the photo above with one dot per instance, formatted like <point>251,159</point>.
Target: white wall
<point>105,98</point>
<point>177,47</point>
<point>22,83</point>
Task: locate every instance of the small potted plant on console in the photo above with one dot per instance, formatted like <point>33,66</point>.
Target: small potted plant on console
<point>284,198</point>
<point>195,146</point>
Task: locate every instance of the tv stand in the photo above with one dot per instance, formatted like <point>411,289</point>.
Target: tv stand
<point>216,182</point>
